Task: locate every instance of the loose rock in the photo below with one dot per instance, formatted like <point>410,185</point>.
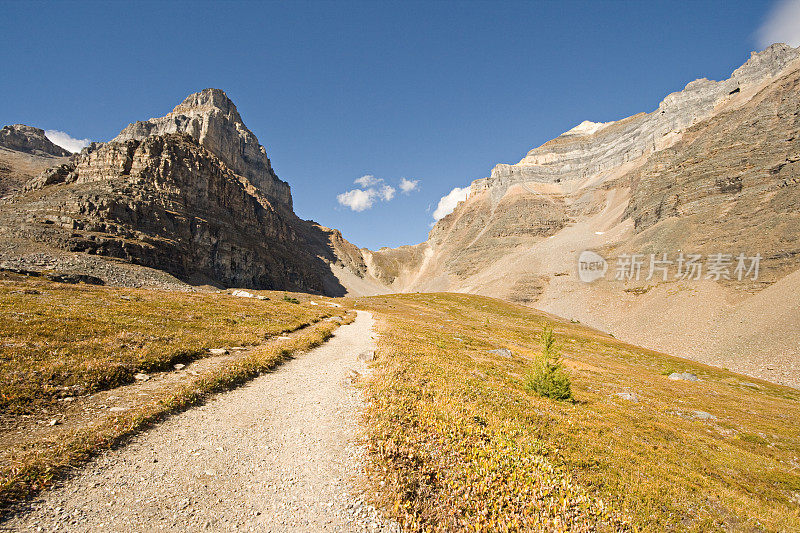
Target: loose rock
<point>630,396</point>
<point>502,352</point>
<point>685,376</point>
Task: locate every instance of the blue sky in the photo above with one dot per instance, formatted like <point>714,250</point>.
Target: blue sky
<point>433,92</point>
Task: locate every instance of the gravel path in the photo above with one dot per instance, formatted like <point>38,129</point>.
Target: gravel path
<point>278,454</point>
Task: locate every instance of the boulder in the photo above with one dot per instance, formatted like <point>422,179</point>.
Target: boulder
<point>685,376</point>
<point>630,396</point>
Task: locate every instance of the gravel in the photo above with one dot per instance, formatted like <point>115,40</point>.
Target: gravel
<point>282,453</point>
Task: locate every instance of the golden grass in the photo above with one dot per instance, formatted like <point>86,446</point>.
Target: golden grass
<point>67,340</point>
<point>460,445</point>
<point>35,468</point>
<point>60,339</point>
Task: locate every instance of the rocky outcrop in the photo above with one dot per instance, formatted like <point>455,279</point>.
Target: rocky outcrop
<point>212,120</point>
<point>591,149</point>
<point>29,140</point>
<point>192,194</point>
<point>166,202</point>
<point>24,153</point>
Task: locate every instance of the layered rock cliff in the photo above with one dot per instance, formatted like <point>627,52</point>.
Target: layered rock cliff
<point>28,139</point>
<point>592,148</point>
<point>212,120</point>
<point>24,152</point>
<point>715,169</point>
<point>192,194</point>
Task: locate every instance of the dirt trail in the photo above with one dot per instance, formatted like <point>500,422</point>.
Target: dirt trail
<point>275,455</point>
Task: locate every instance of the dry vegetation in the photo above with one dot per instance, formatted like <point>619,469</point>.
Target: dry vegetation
<point>458,443</point>
<point>458,440</point>
<point>65,342</point>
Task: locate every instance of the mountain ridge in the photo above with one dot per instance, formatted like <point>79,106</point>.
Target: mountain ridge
<point>714,168</point>
<point>192,194</point>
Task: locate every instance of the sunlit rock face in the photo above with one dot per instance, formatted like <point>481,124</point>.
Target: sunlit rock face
<point>212,120</point>
<point>29,140</point>
<point>592,148</point>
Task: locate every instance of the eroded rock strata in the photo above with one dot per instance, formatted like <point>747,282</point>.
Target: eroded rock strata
<point>192,194</point>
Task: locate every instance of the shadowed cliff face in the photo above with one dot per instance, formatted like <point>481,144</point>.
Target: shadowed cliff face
<point>192,194</point>
<point>166,202</point>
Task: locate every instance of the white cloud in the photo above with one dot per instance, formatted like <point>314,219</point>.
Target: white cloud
<point>373,189</point>
<point>449,202</point>
<point>781,25</point>
<point>357,199</point>
<point>386,192</point>
<point>363,199</point>
<point>408,185</point>
<point>368,181</point>
<point>65,141</point>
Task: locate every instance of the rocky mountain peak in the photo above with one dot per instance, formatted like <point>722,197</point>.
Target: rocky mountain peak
<point>767,62</point>
<point>592,150</point>
<point>30,140</point>
<point>206,101</point>
<point>211,118</point>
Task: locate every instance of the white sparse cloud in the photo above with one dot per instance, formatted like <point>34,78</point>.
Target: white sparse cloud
<point>449,202</point>
<point>372,189</point>
<point>781,25</point>
<point>66,141</point>
<point>368,180</point>
<point>408,185</point>
<point>386,192</point>
<point>357,199</point>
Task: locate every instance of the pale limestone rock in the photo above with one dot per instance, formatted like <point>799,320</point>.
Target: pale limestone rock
<point>30,140</point>
<point>211,118</point>
<point>595,147</point>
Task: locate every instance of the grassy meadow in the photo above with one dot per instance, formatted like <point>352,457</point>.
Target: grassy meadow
<point>458,439</point>
<point>459,443</point>
<point>67,342</point>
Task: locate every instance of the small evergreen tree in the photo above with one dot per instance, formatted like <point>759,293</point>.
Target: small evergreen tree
<point>548,377</point>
